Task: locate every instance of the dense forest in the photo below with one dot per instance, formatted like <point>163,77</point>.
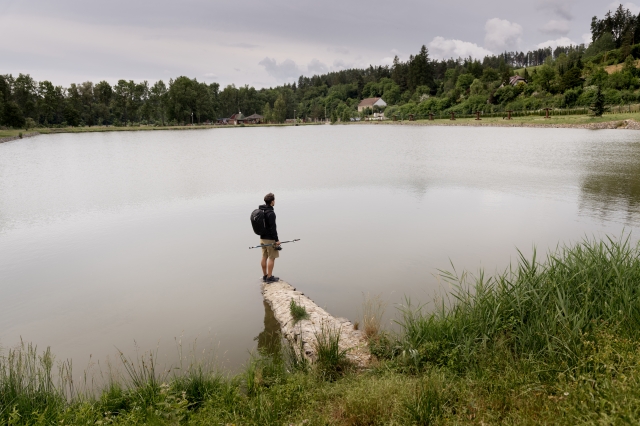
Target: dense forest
<point>565,77</point>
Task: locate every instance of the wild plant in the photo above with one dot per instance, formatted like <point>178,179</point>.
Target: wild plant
<point>538,309</point>
<point>331,362</point>
<point>28,386</point>
<point>298,312</point>
<point>373,309</point>
<point>424,407</point>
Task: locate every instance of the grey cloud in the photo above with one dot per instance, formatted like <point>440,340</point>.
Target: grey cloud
<point>339,63</point>
<point>500,34</point>
<point>560,8</point>
<point>556,27</point>
<point>244,45</point>
<point>140,38</point>
<point>338,49</point>
<point>316,67</point>
<point>284,71</point>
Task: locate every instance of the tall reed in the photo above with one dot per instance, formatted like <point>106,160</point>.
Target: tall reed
<point>541,310</point>
<point>29,387</point>
<point>373,309</point>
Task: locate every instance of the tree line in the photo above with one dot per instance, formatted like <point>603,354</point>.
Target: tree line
<point>566,76</point>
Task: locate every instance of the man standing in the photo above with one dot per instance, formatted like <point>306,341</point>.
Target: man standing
<point>269,236</point>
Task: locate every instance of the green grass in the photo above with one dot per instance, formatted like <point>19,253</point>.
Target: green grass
<point>332,361</point>
<point>298,312</point>
<point>533,120</point>
<point>550,341</point>
<point>92,129</point>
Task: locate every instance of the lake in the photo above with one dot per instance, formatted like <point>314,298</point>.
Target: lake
<point>139,240</point>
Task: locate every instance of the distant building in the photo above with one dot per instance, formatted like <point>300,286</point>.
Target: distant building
<point>370,103</point>
<point>516,79</point>
<point>254,119</point>
<point>236,119</point>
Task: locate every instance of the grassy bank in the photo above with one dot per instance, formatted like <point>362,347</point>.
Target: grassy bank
<point>92,129</point>
<point>533,120</point>
<point>555,341</point>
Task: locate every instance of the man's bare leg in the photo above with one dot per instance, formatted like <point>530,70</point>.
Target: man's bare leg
<point>263,263</point>
<point>270,267</point>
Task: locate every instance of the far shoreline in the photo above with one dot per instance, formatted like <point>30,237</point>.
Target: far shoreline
<point>625,121</point>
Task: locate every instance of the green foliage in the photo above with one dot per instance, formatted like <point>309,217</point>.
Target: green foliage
<point>490,75</point>
<point>267,113</point>
<point>425,407</point>
<point>598,107</point>
<point>332,362</point>
<point>477,88</point>
<point>28,390</point>
<point>571,79</point>
<point>539,310</point>
<point>464,81</point>
<point>298,312</point>
<point>13,116</point>
<point>280,110</point>
<point>544,77</point>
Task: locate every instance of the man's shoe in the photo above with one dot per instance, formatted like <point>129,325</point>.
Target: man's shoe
<point>264,278</point>
<point>273,279</point>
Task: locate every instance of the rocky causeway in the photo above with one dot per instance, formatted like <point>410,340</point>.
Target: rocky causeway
<point>302,334</point>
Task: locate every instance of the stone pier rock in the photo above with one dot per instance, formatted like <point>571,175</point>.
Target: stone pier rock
<point>302,334</point>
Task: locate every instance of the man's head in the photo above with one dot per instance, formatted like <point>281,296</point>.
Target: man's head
<point>270,199</point>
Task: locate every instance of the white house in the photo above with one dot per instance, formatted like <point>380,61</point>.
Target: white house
<point>370,103</point>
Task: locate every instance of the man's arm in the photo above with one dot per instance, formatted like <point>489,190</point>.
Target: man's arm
<point>272,223</point>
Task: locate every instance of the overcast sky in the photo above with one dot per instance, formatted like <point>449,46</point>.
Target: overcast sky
<point>267,42</point>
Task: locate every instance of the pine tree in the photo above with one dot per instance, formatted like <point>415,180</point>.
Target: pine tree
<point>598,107</point>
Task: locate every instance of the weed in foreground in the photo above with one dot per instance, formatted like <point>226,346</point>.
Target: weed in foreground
<point>425,405</point>
<point>28,388</point>
<point>332,362</point>
<point>373,309</point>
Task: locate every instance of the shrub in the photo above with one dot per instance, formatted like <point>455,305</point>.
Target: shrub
<point>612,97</point>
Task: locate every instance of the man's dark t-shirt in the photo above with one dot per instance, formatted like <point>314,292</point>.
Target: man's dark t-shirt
<point>271,231</point>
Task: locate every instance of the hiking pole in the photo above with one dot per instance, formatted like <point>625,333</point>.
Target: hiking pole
<point>267,245</point>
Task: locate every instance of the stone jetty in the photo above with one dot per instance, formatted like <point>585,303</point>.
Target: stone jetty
<point>302,334</point>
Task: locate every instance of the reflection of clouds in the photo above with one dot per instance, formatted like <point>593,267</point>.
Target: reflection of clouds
<point>611,187</point>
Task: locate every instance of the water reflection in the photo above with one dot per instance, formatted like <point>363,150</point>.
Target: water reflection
<point>269,339</point>
<point>611,187</point>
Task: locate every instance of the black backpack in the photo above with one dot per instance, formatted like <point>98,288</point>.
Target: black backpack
<point>258,221</point>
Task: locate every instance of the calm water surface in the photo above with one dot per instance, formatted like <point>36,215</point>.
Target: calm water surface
<point>108,239</point>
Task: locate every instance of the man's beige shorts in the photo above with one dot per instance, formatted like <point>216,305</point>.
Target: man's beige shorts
<point>270,251</point>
